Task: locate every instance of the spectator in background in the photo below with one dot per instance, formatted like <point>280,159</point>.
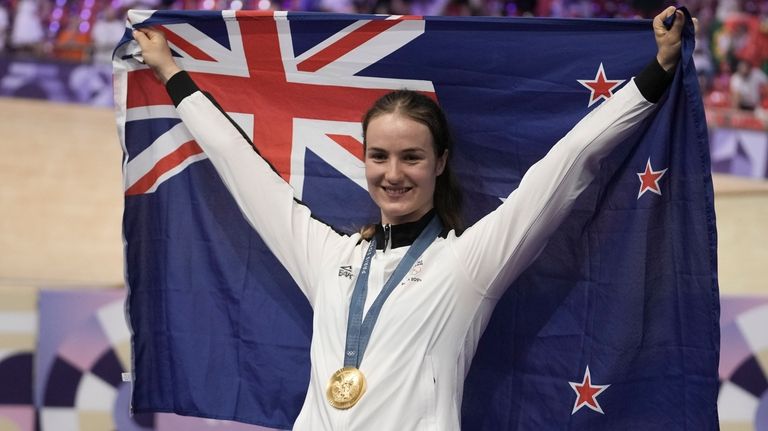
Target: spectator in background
<point>27,34</point>
<point>702,59</point>
<point>4,22</point>
<point>727,7</point>
<point>720,94</point>
<point>341,6</point>
<point>392,7</point>
<point>746,86</point>
<point>72,44</point>
<point>144,4</point>
<point>458,8</point>
<point>106,32</point>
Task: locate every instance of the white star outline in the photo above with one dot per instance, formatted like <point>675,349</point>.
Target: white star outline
<point>600,71</point>
<point>649,169</point>
<point>576,405</point>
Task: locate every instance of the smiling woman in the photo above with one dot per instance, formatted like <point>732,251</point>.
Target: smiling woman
<point>407,149</point>
<point>401,167</point>
<point>409,372</point>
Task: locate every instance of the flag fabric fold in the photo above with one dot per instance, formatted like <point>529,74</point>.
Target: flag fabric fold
<point>615,325</point>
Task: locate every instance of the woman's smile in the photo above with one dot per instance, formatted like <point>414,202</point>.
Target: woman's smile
<point>401,167</point>
<point>396,191</point>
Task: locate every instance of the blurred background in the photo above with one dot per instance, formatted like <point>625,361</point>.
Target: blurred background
<point>63,338</point>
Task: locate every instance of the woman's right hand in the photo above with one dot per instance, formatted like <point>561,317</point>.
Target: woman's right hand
<point>156,53</point>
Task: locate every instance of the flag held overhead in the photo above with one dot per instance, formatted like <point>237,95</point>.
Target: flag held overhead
<point>612,326</point>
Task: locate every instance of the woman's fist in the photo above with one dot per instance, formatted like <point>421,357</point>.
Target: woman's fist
<point>156,53</point>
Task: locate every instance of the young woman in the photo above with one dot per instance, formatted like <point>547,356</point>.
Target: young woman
<point>401,364</point>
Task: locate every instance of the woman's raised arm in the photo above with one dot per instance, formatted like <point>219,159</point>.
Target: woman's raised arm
<point>302,244</point>
<point>504,243</point>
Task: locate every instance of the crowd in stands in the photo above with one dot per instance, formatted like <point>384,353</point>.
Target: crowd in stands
<point>731,53</point>
<point>72,31</point>
<point>731,59</point>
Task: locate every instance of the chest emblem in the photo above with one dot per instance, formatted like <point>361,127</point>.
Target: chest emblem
<point>346,271</point>
<point>413,276</point>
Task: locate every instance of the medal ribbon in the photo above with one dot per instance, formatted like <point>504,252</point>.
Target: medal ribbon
<point>359,330</point>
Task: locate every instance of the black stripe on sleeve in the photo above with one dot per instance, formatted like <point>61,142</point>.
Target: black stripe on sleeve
<point>180,86</point>
<point>653,81</point>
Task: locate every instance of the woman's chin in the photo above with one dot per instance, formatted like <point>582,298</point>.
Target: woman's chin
<point>399,215</point>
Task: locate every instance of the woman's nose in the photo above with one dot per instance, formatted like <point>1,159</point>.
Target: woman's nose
<point>394,172</point>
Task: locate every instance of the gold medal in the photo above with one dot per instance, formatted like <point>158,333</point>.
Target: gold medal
<point>345,388</point>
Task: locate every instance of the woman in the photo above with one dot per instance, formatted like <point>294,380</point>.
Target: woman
<point>439,288</point>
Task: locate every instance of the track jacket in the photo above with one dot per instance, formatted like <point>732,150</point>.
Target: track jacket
<point>423,343</point>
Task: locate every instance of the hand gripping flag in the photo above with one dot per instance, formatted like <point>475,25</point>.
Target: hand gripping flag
<point>615,326</point>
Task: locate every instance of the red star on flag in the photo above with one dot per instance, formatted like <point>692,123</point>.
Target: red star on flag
<point>600,87</point>
<point>586,394</point>
<point>649,180</point>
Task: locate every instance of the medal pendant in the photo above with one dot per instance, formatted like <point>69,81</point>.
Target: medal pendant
<point>345,388</point>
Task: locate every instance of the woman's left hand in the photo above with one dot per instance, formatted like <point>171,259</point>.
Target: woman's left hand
<point>669,41</point>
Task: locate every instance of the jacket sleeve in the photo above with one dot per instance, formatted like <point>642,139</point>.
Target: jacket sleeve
<point>301,243</point>
<point>496,249</point>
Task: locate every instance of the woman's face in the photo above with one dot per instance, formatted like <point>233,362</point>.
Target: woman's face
<point>401,167</point>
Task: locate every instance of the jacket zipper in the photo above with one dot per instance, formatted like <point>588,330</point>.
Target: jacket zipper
<point>387,230</point>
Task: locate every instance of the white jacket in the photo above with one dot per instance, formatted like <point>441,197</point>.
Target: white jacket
<point>423,343</point>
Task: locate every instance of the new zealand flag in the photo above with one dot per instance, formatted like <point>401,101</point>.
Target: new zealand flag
<point>615,326</point>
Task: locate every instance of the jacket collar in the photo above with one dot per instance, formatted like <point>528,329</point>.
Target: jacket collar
<point>404,234</point>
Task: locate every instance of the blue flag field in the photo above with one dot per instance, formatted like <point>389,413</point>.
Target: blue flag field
<point>614,326</point>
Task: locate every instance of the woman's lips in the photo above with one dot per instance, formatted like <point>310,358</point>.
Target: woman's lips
<point>396,191</point>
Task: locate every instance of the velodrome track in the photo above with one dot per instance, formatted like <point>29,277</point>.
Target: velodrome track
<point>61,200</point>
<point>60,194</point>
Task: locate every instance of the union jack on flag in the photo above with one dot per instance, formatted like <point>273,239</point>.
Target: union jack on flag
<point>268,76</point>
<point>611,327</point>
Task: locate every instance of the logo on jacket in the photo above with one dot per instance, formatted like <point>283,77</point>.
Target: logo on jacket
<point>413,275</point>
<point>346,271</point>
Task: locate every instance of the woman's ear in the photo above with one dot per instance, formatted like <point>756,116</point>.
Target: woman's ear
<point>442,161</point>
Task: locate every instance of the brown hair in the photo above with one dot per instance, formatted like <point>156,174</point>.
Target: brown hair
<point>418,107</point>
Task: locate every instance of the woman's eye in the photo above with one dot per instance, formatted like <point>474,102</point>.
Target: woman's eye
<point>412,158</point>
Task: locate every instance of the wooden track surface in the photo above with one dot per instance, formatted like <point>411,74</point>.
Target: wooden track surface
<point>741,208</point>
<point>61,200</point>
<point>60,194</point>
